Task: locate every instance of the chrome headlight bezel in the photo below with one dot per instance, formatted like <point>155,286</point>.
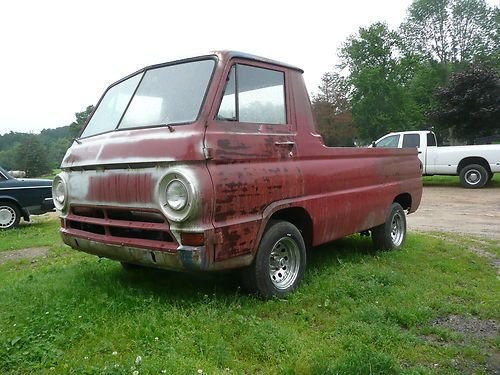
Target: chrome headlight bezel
<point>60,192</point>
<point>184,211</point>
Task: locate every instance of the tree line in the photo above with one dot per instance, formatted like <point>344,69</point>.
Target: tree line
<point>38,154</point>
<point>438,70</point>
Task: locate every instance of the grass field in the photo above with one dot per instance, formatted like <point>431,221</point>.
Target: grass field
<point>357,312</point>
<point>52,175</point>
<point>455,181</point>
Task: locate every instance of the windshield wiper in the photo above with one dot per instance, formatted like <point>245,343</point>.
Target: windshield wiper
<point>170,127</point>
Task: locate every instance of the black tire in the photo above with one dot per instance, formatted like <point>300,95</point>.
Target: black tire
<point>391,235</point>
<point>490,177</point>
<point>473,176</point>
<point>280,262</point>
<point>9,215</point>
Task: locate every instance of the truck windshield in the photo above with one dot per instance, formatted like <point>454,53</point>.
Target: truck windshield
<point>171,95</point>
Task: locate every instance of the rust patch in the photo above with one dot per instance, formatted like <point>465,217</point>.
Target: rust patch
<point>237,240</point>
<point>226,145</point>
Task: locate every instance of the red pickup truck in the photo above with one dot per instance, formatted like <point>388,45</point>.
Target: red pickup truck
<point>215,162</point>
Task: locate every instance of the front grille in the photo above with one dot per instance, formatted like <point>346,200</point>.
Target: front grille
<point>123,226</point>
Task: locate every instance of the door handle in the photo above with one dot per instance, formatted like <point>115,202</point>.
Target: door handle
<point>285,143</point>
<point>288,144</point>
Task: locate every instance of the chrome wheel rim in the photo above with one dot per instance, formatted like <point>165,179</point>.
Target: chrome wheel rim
<point>397,229</point>
<point>473,177</point>
<point>284,263</point>
<point>7,216</point>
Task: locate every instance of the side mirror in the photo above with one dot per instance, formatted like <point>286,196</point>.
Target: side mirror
<point>374,144</point>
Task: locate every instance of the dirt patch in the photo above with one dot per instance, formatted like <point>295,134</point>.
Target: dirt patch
<point>459,210</point>
<point>470,327</point>
<point>31,253</point>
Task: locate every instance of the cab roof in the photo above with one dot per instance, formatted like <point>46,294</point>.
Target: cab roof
<point>243,55</point>
<point>223,55</point>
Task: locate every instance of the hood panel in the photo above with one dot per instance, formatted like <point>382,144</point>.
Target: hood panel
<point>159,144</point>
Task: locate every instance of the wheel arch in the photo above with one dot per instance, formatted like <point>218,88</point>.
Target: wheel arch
<point>473,160</point>
<point>299,217</point>
<point>404,199</point>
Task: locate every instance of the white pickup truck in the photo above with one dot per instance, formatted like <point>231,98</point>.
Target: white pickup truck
<point>474,164</point>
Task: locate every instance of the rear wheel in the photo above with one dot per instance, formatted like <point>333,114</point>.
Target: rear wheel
<point>9,215</point>
<point>280,262</point>
<point>392,234</point>
<point>473,176</point>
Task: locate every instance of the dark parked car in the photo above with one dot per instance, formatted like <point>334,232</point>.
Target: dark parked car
<point>22,198</point>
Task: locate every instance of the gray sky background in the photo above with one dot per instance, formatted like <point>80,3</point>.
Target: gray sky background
<point>57,57</point>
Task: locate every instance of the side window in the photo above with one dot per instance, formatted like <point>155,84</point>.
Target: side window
<point>411,140</point>
<point>431,139</point>
<point>254,95</point>
<point>390,141</point>
<point>2,177</point>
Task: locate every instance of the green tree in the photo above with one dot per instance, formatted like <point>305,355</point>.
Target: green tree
<point>451,31</point>
<point>332,109</point>
<point>380,100</point>
<point>81,118</point>
<point>469,104</point>
<point>31,157</point>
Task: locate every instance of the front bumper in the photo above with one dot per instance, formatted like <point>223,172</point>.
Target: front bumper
<point>184,258</point>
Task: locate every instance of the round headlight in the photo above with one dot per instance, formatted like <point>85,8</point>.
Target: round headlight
<point>177,195</point>
<point>59,192</point>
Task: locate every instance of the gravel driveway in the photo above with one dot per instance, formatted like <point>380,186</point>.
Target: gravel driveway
<point>455,209</point>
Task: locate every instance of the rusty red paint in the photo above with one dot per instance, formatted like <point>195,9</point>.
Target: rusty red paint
<point>141,145</point>
<point>121,188</point>
<point>246,173</point>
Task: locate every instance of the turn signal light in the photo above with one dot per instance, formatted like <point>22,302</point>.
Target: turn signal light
<point>193,239</point>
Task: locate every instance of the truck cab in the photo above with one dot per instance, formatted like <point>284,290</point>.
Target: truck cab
<point>215,162</point>
<point>476,165</point>
<point>411,139</point>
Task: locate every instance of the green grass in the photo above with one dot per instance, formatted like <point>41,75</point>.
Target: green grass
<point>52,175</point>
<point>42,230</point>
<point>357,312</point>
<point>455,181</point>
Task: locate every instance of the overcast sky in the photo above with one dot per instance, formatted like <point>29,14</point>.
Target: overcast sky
<point>57,57</point>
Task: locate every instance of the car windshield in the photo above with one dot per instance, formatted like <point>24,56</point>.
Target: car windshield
<point>168,95</point>
<point>4,175</point>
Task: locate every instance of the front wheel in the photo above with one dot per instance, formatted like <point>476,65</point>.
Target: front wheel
<point>280,262</point>
<point>473,176</point>
<point>391,235</point>
<point>9,215</point>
